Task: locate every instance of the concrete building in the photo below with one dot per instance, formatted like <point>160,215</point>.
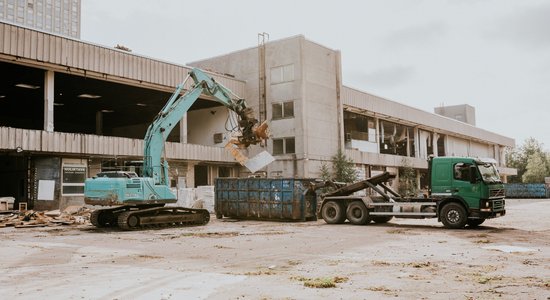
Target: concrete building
<point>463,113</point>
<point>69,109</point>
<point>55,16</point>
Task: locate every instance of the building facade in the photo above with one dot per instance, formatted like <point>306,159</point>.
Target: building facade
<point>55,16</point>
<point>303,77</point>
<point>70,109</point>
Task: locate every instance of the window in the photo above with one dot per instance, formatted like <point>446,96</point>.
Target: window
<point>282,74</point>
<point>462,171</point>
<point>283,110</point>
<point>73,179</point>
<point>284,146</point>
<point>224,171</point>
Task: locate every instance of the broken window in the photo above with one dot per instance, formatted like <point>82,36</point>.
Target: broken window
<point>396,139</point>
<point>359,127</point>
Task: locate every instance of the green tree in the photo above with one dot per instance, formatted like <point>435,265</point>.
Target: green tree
<point>407,179</point>
<point>343,168</point>
<point>536,168</point>
<point>518,158</point>
<point>325,171</point>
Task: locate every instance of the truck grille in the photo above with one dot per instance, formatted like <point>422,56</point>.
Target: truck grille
<point>498,193</point>
<point>498,205</point>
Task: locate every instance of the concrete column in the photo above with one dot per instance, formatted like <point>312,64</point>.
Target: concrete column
<point>434,144</point>
<point>99,123</point>
<point>416,134</point>
<point>190,174</point>
<point>48,100</point>
<point>377,124</point>
<point>183,129</point>
<point>408,144</point>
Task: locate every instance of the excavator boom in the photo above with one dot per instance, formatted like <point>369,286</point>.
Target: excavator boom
<point>143,198</point>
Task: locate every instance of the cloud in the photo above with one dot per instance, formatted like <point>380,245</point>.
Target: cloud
<point>528,27</point>
<point>420,35</point>
<point>384,78</point>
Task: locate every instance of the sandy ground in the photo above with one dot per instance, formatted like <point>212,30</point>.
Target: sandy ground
<point>506,258</point>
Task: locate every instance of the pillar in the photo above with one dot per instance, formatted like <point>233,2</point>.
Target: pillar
<point>48,100</point>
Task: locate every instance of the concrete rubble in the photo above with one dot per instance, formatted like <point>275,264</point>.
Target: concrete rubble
<point>72,215</point>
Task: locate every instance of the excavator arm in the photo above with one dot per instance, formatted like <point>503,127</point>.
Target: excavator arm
<point>251,132</point>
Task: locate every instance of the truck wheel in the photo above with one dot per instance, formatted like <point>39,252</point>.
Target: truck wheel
<point>453,215</point>
<point>475,222</point>
<point>357,213</point>
<point>333,213</point>
<point>380,220</point>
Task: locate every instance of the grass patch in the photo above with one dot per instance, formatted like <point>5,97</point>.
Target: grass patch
<point>487,279</point>
<point>419,265</point>
<point>379,289</point>
<point>261,272</point>
<point>294,262</point>
<point>322,282</point>
<point>380,263</point>
<point>484,241</point>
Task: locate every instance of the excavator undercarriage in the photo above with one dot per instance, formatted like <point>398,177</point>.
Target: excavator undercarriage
<point>130,217</point>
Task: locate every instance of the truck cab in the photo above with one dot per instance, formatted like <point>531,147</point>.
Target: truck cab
<point>473,183</point>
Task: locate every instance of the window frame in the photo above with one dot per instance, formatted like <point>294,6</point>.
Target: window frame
<point>72,184</point>
<point>284,145</point>
<point>283,110</point>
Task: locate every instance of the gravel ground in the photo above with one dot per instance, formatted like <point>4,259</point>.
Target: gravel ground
<point>505,258</point>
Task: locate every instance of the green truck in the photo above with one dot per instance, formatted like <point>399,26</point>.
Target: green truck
<point>463,191</point>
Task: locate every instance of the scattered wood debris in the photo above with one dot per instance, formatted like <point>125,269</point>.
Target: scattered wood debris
<point>72,215</point>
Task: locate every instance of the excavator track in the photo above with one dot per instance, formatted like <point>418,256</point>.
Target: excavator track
<point>162,217</point>
<point>141,217</point>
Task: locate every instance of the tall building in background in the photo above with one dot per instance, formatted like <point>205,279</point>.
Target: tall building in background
<point>55,16</point>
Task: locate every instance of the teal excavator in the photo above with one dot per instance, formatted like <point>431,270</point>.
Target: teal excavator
<point>136,202</point>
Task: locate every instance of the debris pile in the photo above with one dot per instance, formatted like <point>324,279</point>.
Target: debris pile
<point>72,215</point>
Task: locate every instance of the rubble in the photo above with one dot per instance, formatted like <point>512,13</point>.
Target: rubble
<point>72,215</point>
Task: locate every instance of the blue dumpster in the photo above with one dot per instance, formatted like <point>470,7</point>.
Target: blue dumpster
<point>284,199</point>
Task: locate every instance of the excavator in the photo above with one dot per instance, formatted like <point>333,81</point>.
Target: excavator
<point>139,202</point>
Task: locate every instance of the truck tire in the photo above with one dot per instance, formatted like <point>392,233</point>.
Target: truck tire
<point>382,219</point>
<point>357,213</point>
<point>333,213</point>
<point>475,222</point>
<point>453,215</point>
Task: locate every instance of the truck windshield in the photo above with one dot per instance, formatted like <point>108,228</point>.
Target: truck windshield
<point>489,173</point>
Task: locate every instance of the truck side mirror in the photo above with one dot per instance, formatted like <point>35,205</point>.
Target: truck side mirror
<point>473,174</point>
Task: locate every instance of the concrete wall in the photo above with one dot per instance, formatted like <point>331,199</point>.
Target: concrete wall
<point>202,124</point>
<point>311,81</point>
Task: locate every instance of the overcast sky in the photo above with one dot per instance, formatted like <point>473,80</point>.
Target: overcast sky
<point>491,54</point>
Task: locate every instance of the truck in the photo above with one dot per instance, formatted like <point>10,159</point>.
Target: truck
<point>134,202</point>
<point>462,191</point>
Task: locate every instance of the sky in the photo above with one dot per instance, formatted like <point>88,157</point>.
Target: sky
<point>491,54</point>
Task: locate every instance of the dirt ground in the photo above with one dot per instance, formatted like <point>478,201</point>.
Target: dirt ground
<point>506,258</point>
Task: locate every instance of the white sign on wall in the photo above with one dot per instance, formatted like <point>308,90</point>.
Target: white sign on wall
<point>46,190</point>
